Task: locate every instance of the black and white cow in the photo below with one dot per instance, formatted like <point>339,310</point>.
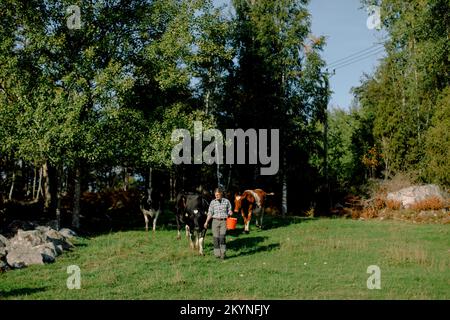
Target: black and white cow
<point>151,206</point>
<point>191,210</point>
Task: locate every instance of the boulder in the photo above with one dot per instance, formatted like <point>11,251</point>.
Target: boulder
<point>411,195</point>
<point>33,237</point>
<point>23,257</point>
<point>58,239</point>
<point>3,266</point>
<point>48,251</point>
<point>3,241</point>
<point>69,234</point>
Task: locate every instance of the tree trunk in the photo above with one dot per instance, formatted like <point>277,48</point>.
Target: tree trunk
<point>39,190</point>
<point>50,187</point>
<point>47,195</point>
<point>229,178</point>
<point>284,197</point>
<point>125,179</point>
<point>60,177</point>
<point>150,183</point>
<point>13,180</point>
<point>76,197</point>
<point>284,202</point>
<point>34,183</point>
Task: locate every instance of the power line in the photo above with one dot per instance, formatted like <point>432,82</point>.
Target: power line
<point>357,60</point>
<point>355,55</point>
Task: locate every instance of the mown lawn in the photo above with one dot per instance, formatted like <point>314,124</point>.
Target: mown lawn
<point>291,259</point>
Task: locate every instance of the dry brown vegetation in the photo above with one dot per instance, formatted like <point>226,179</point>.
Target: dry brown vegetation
<point>430,210</point>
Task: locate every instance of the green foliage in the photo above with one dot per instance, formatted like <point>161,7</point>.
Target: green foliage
<point>437,152</point>
<point>403,93</point>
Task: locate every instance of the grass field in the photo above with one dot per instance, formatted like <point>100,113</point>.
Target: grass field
<point>291,259</point>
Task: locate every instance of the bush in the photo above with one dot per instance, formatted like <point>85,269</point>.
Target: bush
<point>393,204</point>
<point>432,203</point>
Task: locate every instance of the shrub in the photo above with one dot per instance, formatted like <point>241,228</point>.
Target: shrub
<point>393,204</point>
<point>432,203</point>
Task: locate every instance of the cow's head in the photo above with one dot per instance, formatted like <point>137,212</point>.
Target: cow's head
<point>237,202</point>
<point>199,218</point>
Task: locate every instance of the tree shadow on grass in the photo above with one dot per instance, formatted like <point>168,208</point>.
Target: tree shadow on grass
<point>20,292</point>
<point>249,245</point>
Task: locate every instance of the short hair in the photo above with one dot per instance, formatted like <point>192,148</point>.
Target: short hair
<point>218,190</point>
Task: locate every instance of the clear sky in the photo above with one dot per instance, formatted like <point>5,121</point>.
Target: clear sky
<point>344,23</point>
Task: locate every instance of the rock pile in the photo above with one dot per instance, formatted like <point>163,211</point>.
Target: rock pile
<point>38,246</point>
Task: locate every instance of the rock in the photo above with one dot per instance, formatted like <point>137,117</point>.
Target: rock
<point>23,257</point>
<point>59,249</point>
<point>411,195</point>
<point>48,251</point>
<point>3,241</point>
<point>3,266</point>
<point>43,229</point>
<point>69,234</point>
<point>33,237</point>
<point>3,244</point>
<point>58,239</point>
<point>53,224</point>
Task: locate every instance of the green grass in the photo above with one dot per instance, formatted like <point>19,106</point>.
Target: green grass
<point>293,259</point>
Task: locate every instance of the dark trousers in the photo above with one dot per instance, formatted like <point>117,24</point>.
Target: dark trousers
<point>219,229</point>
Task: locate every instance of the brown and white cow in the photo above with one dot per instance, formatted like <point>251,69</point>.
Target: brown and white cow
<point>249,202</point>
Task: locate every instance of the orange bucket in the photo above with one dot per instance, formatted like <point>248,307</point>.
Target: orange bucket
<point>231,223</point>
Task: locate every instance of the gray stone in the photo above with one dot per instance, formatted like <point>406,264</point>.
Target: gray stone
<point>48,251</point>
<point>53,224</point>
<point>3,241</point>
<point>411,195</point>
<point>23,257</point>
<point>69,234</point>
<point>3,266</point>
<point>43,229</point>
<point>59,249</point>
<point>33,237</point>
<point>58,239</point>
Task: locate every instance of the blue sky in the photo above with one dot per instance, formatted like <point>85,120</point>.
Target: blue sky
<point>344,24</point>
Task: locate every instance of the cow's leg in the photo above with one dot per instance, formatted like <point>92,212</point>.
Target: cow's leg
<point>146,222</point>
<point>249,218</point>
<point>200,242</point>
<point>259,217</point>
<point>155,219</point>
<point>262,217</point>
<point>197,238</point>
<point>190,236</point>
<point>245,220</point>
<point>177,218</point>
